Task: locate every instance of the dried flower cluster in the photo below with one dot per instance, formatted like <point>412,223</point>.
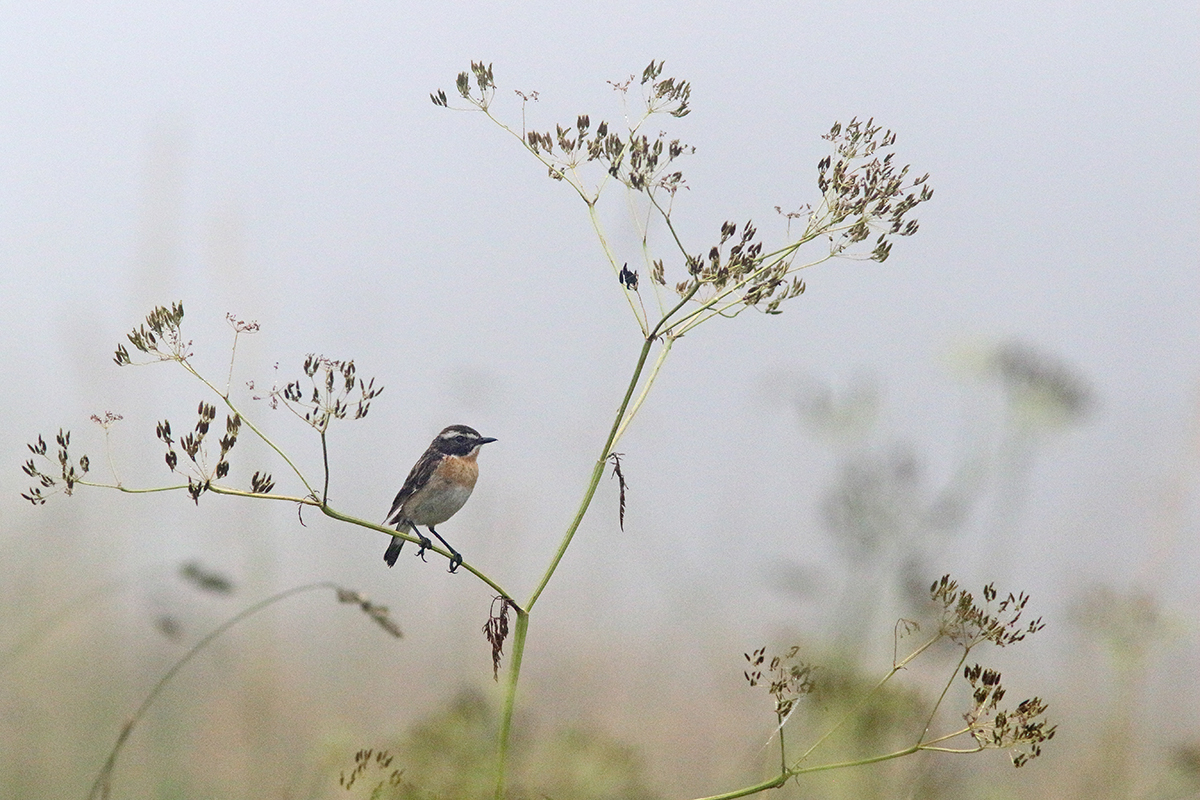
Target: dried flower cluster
<point>496,630</point>
<point>622,486</point>
<point>863,193</point>
<point>158,336</point>
<point>194,448</point>
<point>787,679</point>
<point>65,469</point>
<point>364,760</point>
<point>241,325</point>
<point>485,81</point>
<point>332,384</point>
<point>968,624</point>
<point>742,272</point>
<point>261,482</point>
<point>635,159</point>
<point>1020,730</point>
<point>107,421</point>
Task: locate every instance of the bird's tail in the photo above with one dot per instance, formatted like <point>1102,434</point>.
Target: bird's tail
<point>393,551</point>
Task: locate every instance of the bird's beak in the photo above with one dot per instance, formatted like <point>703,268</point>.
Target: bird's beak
<point>485,439</point>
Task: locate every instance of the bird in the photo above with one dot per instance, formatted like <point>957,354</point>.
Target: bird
<point>436,488</point>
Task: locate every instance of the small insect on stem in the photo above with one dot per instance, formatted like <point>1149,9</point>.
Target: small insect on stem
<point>628,278</point>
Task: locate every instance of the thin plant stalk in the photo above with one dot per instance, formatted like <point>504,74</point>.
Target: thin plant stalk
<point>510,696</point>
<point>597,473</point>
<point>620,421</point>
<point>101,787</point>
<point>329,511</point>
<point>896,668</point>
<point>650,377</point>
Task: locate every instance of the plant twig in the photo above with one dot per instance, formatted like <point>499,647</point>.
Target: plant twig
<point>101,787</point>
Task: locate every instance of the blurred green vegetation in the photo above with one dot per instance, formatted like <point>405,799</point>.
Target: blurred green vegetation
<point>258,716</point>
<point>451,754</point>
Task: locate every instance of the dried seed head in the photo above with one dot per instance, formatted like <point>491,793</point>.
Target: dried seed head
<point>496,630</point>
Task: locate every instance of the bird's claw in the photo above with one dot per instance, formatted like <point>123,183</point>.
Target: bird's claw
<point>455,561</point>
<point>425,545</point>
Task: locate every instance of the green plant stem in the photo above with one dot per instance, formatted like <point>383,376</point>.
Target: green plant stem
<point>226,490</point>
<point>782,746</point>
<point>127,490</point>
<point>928,744</point>
<point>327,510</point>
<point>362,523</point>
<point>325,462</point>
<point>666,216</point>
<point>787,775</point>
<point>215,488</point>
<point>620,422</point>
<point>597,473</point>
<point>861,762</point>
<point>954,750</point>
<point>746,791</point>
<point>643,229</point>
<point>232,356</point>
<point>108,455</point>
<point>945,689</point>
<point>640,316</point>
<point>650,377</point>
<point>510,696</point>
<point>896,667</point>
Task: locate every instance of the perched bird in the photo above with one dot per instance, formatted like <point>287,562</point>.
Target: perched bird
<point>436,488</point>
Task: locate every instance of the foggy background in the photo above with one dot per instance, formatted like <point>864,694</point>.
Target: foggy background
<point>283,162</point>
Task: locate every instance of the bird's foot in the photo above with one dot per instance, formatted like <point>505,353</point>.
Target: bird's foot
<point>425,545</point>
<point>455,561</point>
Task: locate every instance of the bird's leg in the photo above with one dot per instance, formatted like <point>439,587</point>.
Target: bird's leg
<point>455,556</point>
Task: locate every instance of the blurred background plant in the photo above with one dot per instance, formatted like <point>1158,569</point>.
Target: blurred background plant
<point>889,526</point>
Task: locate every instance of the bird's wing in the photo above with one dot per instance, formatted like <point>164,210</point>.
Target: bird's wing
<point>421,472</point>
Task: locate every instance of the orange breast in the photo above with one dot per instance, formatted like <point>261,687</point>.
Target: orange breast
<point>463,470</point>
